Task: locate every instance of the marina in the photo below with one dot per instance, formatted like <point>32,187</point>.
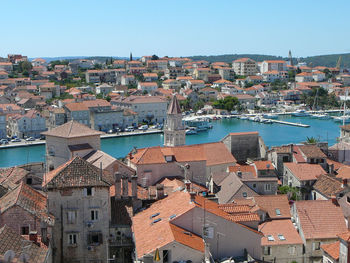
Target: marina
<point>273,134</point>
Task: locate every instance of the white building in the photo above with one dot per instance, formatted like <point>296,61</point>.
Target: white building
<point>147,86</point>
<point>245,67</point>
<point>269,65</point>
<point>30,124</point>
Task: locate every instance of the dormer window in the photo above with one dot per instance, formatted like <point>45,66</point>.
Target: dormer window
<point>89,191</point>
<point>169,158</point>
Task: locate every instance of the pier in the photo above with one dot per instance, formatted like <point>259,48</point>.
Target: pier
<point>291,123</point>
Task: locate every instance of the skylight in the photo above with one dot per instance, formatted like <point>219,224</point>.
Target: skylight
<point>156,221</point>
<point>281,237</point>
<point>172,216</point>
<point>154,215</point>
<point>278,212</point>
<point>270,238</point>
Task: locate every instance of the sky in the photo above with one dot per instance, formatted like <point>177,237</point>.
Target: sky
<point>52,28</point>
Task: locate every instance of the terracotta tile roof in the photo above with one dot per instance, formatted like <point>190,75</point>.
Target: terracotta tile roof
<point>320,219</point>
<point>272,203</point>
<point>76,106</point>
<point>30,200</point>
<point>76,173</point>
<point>275,61</point>
<point>175,184</point>
<point>343,172</point>
<point>311,151</point>
<point>212,153</point>
<point>96,157</point>
<point>336,164</point>
<point>332,249</point>
<point>144,99</point>
<point>187,238</point>
<point>233,208</point>
<point>281,149</point>
<point>246,170</point>
<point>244,217</point>
<point>328,186</point>
<point>10,240</point>
<point>305,171</point>
<point>152,227</point>
<point>243,60</point>
<point>96,103</point>
<point>275,228</point>
<point>71,129</point>
<point>345,236</point>
<point>10,177</point>
<point>263,165</point>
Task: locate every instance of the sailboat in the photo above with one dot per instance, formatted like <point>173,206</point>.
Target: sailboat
<point>345,118</point>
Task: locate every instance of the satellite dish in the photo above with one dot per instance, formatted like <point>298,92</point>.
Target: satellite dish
<point>9,255</point>
<point>24,258</point>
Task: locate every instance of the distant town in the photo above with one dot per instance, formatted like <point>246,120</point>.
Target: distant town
<point>234,200</point>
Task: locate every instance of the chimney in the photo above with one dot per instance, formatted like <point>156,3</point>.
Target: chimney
<point>239,173</point>
<point>187,185</point>
<point>134,186</point>
<point>117,184</point>
<point>345,182</point>
<point>193,196</point>
<point>160,191</point>
<point>33,236</point>
<point>101,171</point>
<point>291,148</point>
<point>125,186</point>
<point>44,238</point>
<point>334,200</point>
<point>331,169</point>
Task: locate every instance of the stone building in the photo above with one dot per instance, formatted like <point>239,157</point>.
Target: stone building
<point>174,132</point>
<point>68,140</point>
<point>78,197</point>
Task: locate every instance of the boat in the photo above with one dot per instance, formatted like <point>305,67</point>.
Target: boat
<point>270,116</point>
<point>324,116</point>
<point>191,131</point>
<point>300,113</point>
<point>243,117</point>
<point>251,118</point>
<point>345,118</point>
<point>201,124</point>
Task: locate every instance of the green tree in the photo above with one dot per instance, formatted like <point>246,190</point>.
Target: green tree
<point>229,103</point>
<point>312,140</point>
<point>155,57</point>
<point>108,98</point>
<point>25,66</point>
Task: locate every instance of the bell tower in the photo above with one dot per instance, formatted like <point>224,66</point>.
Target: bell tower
<point>174,130</point>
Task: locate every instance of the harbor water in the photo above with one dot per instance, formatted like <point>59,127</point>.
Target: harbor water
<point>273,135</point>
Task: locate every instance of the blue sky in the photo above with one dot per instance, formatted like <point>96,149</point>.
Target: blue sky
<point>42,28</point>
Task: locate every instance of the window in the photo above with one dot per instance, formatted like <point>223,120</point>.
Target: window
<point>281,237</point>
<point>316,245</point>
<point>72,239</point>
<point>94,215</point>
<point>267,187</point>
<point>270,238</point>
<point>245,194</point>
<point>29,181</point>
<point>71,217</point>
<point>166,256</point>
<point>89,191</point>
<point>285,159</point>
<point>278,212</point>
<point>25,230</point>
<point>95,238</point>
<point>254,185</point>
<point>291,250</point>
<point>267,251</point>
<point>348,199</point>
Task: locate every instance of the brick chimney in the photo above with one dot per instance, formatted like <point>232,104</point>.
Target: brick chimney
<point>187,185</point>
<point>334,200</point>
<point>117,184</point>
<point>331,169</point>
<point>125,186</point>
<point>160,191</point>
<point>134,186</point>
<point>193,196</point>
<point>345,182</point>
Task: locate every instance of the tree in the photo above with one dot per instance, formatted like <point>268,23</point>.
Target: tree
<point>108,98</point>
<point>25,66</point>
<point>312,140</point>
<point>155,57</point>
<point>229,103</point>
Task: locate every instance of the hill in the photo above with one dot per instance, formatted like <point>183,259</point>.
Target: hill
<point>322,60</point>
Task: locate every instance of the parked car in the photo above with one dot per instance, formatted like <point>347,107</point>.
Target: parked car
<point>129,129</point>
<point>30,139</point>
<point>4,141</point>
<point>143,127</point>
<point>16,140</point>
<point>110,132</point>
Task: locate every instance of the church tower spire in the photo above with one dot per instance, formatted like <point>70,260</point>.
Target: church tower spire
<point>174,130</point>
